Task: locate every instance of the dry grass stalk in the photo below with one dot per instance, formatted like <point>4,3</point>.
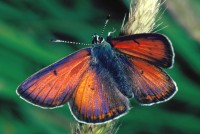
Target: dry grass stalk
<point>142,17</point>
<point>108,128</point>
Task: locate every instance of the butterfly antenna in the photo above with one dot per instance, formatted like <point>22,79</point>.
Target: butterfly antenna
<point>70,42</point>
<point>107,19</point>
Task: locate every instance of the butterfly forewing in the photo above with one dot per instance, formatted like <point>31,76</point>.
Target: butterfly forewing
<point>53,85</point>
<point>155,48</point>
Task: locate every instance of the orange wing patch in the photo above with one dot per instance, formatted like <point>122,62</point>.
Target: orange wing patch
<point>54,85</point>
<point>97,100</point>
<point>155,48</point>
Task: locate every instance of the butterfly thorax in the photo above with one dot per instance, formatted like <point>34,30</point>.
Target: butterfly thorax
<point>101,50</point>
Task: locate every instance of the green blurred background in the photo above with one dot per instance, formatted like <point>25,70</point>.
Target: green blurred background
<point>26,27</point>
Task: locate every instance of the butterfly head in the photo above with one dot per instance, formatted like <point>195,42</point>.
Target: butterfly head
<point>96,39</point>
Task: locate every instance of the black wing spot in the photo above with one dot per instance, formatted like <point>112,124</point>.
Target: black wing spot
<point>55,72</point>
<point>142,72</point>
<point>136,42</point>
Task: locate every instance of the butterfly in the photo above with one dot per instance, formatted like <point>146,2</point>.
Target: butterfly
<point>97,82</point>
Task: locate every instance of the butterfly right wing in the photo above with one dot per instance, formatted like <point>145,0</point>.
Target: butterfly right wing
<point>152,47</point>
<point>53,85</point>
<point>150,83</point>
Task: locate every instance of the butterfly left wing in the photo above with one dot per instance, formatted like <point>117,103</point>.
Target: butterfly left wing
<point>96,99</point>
<point>150,84</point>
<point>53,85</point>
<point>152,47</point>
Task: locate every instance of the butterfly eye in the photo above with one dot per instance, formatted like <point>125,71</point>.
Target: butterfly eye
<point>95,39</point>
<point>101,39</point>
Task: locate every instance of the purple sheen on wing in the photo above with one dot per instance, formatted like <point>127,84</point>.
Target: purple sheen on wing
<point>147,90</point>
<point>27,85</point>
<point>89,112</point>
<point>62,96</point>
<point>39,99</point>
<point>158,91</point>
<point>83,110</point>
<point>97,112</point>
<point>32,95</point>
<point>48,101</point>
<point>104,108</point>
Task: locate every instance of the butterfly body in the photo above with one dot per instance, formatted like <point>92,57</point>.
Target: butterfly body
<point>104,57</point>
<point>97,81</point>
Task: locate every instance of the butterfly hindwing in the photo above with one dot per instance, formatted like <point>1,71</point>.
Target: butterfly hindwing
<point>96,99</point>
<point>150,83</point>
<point>155,48</point>
<point>53,85</point>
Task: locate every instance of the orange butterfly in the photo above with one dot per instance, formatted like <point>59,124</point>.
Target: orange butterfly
<point>98,81</point>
